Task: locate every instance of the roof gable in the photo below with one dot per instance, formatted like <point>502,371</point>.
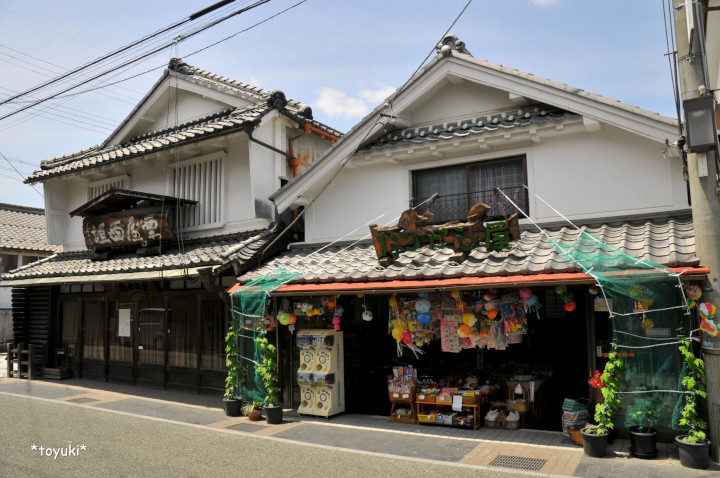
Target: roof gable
<point>455,71</point>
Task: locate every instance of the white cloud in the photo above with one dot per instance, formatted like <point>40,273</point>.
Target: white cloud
<point>544,3</point>
<point>374,97</point>
<point>337,104</point>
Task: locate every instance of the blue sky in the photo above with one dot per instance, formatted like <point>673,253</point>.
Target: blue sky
<point>341,57</point>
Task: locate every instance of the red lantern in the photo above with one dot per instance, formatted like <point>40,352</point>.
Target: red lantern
<point>570,306</point>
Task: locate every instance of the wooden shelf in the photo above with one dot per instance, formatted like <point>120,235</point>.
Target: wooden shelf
<point>422,404</point>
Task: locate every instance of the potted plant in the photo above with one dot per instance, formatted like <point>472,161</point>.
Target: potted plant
<point>267,368</point>
<point>641,418</point>
<point>693,448</point>
<point>595,437</point>
<point>253,411</point>
<point>232,401</point>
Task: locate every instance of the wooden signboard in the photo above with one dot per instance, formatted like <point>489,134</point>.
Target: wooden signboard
<point>132,227</point>
<point>413,232</point>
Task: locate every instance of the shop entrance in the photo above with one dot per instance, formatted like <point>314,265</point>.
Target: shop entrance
<point>553,355</point>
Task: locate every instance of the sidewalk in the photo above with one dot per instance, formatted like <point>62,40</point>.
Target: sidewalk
<point>530,451</point>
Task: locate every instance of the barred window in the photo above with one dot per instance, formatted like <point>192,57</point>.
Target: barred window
<point>199,179</point>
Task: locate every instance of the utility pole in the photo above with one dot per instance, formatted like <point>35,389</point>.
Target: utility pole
<point>705,205</point>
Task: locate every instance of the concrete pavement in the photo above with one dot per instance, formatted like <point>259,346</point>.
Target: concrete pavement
<point>524,451</point>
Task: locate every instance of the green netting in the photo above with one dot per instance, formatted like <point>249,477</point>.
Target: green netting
<point>649,313</point>
<point>248,309</point>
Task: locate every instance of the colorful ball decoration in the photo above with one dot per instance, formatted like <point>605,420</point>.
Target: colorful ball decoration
<point>424,318</point>
<point>284,318</point>
<point>393,302</point>
<point>560,289</point>
<point>691,304</point>
<point>367,316</point>
<point>293,318</point>
<point>707,310</point>
<point>455,294</point>
<point>331,303</point>
<point>647,301</point>
<point>709,327</point>
<point>567,297</point>
<point>422,305</point>
<point>569,306</point>
<point>469,319</point>
<point>492,313</point>
<point>694,292</point>
<point>647,324</point>
<point>407,338</point>
<point>464,331</point>
<point>397,333</point>
<point>635,291</point>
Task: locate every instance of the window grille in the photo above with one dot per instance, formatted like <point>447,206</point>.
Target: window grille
<point>98,187</point>
<point>201,180</point>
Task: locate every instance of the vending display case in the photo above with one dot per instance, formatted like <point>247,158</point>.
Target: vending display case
<point>320,375</point>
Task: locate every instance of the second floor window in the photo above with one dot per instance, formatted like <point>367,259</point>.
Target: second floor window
<point>199,179</point>
<point>462,186</point>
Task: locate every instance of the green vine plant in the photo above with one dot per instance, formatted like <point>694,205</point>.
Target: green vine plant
<point>694,383</point>
<point>267,369</point>
<point>604,412</point>
<point>235,377</point>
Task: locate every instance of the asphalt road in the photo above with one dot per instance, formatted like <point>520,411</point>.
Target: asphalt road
<point>81,441</point>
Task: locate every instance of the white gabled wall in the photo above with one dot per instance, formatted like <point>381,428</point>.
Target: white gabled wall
<point>606,173</point>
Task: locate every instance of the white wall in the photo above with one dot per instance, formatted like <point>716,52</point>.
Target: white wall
<point>583,175</point>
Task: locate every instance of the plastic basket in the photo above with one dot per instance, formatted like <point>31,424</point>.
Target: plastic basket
<point>570,405</point>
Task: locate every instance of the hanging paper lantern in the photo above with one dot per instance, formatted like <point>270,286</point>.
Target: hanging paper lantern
<point>567,297</point>
<point>709,327</point>
<point>293,318</point>
<point>694,292</point>
<point>647,324</point>
<point>284,318</point>
<point>691,304</point>
<point>706,310</point>
<point>367,316</point>
<point>469,319</point>
<point>424,318</point>
<point>464,331</point>
<point>455,294</point>
<point>336,327</point>
<point>560,289</point>
<point>407,337</point>
<point>422,305</point>
<point>392,302</point>
<point>570,306</point>
<point>397,333</point>
<point>492,313</point>
<point>635,291</point>
<point>336,320</point>
<point>331,303</point>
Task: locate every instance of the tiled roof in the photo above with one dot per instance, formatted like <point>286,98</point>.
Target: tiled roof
<point>670,242</point>
<point>506,120</point>
<point>23,228</point>
<point>198,252</point>
<point>220,123</point>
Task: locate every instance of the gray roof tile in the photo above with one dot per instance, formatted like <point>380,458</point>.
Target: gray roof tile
<point>23,229</point>
<point>667,241</point>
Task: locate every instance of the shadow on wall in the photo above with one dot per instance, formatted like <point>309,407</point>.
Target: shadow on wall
<point>6,329</point>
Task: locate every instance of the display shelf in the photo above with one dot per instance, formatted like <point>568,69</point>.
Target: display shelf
<point>468,402</point>
<point>400,398</point>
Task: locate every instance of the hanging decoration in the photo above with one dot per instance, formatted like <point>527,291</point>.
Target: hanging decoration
<point>567,297</point>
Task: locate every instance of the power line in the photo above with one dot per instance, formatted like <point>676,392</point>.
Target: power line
<point>129,62</point>
<point>118,51</point>
<point>23,178</point>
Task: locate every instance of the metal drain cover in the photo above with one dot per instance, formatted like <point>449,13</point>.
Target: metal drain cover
<point>518,462</point>
<point>81,400</point>
<point>247,427</point>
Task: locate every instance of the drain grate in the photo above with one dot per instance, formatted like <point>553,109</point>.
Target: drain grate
<point>247,427</point>
<point>518,462</point>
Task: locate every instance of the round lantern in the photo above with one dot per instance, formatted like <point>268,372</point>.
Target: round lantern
<point>570,306</point>
<point>422,305</point>
<point>367,316</point>
<point>407,338</point>
<point>492,313</point>
<point>464,331</point>
<point>392,302</point>
<point>293,318</point>
<point>694,292</point>
<point>284,318</point>
<point>455,294</point>
<point>560,289</point>
<point>397,333</point>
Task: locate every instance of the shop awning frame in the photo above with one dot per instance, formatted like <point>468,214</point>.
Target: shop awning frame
<point>458,283</point>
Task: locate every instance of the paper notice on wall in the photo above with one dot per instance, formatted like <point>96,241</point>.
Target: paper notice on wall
<point>124,323</point>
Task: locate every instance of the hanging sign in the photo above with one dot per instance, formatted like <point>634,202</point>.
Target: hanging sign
<point>133,227</point>
<point>412,232</point>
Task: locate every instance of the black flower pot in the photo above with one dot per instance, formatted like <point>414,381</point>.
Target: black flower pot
<point>642,444</point>
<point>274,415</point>
<point>693,455</point>
<point>594,445</point>
<point>233,407</point>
